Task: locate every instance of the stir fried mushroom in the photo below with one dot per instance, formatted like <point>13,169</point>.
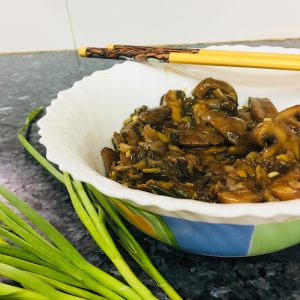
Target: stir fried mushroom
<point>246,115</point>
<point>129,136</point>
<point>275,138</point>
<point>242,194</point>
<point>285,187</point>
<point>151,135</point>
<point>155,115</point>
<point>202,112</point>
<point>221,91</point>
<point>204,148</point>
<point>117,140</point>
<point>109,156</point>
<point>232,128</point>
<point>174,100</point>
<point>262,108</point>
<point>200,136</point>
<point>291,117</point>
<point>240,185</point>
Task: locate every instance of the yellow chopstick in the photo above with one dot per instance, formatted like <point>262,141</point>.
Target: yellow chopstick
<point>239,59</point>
<point>197,56</point>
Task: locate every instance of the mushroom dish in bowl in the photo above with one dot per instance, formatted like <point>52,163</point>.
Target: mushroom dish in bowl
<point>205,159</point>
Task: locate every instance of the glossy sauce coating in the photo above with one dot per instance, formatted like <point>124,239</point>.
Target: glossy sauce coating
<point>203,147</point>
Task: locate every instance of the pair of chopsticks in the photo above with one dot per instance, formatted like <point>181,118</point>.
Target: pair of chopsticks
<point>196,56</point>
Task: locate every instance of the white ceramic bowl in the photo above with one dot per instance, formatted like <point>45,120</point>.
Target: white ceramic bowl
<point>81,121</point>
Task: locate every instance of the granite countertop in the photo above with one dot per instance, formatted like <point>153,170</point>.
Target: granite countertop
<point>31,80</point>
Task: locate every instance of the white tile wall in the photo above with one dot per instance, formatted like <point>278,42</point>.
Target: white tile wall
<point>98,22</point>
<point>34,25</point>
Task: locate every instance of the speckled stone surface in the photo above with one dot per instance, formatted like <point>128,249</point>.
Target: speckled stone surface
<point>31,80</point>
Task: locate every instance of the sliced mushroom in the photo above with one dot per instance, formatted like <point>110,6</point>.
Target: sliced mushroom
<point>232,128</point>
<point>240,188</point>
<point>190,140</point>
<point>262,178</point>
<point>192,163</point>
<point>117,139</point>
<point>276,138</point>
<point>203,113</point>
<point>129,136</point>
<point>291,117</point>
<point>108,156</point>
<point>155,115</point>
<point>245,115</point>
<point>212,88</point>
<point>239,150</point>
<point>241,196</point>
<point>207,152</point>
<point>262,108</point>
<point>287,186</point>
<point>181,164</point>
<point>151,135</point>
<point>214,104</point>
<point>200,136</point>
<point>157,147</point>
<point>174,100</point>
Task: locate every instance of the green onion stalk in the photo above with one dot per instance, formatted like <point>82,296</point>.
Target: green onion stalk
<point>32,283</point>
<point>9,292</point>
<point>132,246</point>
<point>93,209</point>
<point>60,257</point>
<point>90,218</point>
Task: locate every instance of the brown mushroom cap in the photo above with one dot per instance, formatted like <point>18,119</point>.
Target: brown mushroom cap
<point>108,156</point>
<point>291,117</point>
<point>275,138</point>
<point>129,136</point>
<point>211,88</point>
<point>155,115</point>
<point>262,108</point>
<point>287,186</point>
<point>231,128</point>
<point>245,115</point>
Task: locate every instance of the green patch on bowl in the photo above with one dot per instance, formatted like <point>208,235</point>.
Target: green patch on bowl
<point>151,224</point>
<point>273,237</point>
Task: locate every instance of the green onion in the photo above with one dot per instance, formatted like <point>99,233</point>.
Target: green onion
<point>96,226</point>
<point>21,253</point>
<point>67,250</point>
<point>32,283</point>
<point>113,218</point>
<point>41,270</point>
<point>49,167</point>
<point>65,257</point>
<point>2,241</point>
<point>8,292</point>
<point>132,246</point>
<point>69,288</point>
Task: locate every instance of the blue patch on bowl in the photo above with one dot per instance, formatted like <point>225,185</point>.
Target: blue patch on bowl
<point>211,238</point>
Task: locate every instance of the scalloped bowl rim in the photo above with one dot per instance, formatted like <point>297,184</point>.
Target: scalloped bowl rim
<point>266,210</point>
